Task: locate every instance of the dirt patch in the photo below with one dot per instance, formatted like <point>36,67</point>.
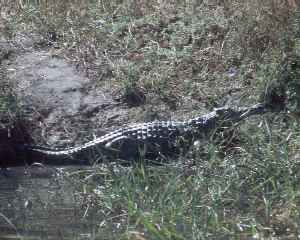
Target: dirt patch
<point>62,102</point>
<point>48,83</point>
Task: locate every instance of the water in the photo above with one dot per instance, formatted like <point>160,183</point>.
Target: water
<point>42,203</point>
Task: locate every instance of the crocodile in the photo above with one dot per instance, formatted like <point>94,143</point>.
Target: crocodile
<point>152,141</point>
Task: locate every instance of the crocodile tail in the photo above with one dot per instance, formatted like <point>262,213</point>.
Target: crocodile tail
<point>50,156</point>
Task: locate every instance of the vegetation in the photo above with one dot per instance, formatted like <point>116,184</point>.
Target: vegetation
<point>176,56</point>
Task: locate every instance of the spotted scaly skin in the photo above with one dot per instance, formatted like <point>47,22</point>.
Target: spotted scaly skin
<point>152,140</point>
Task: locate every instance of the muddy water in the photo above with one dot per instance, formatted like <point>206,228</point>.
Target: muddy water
<point>41,203</point>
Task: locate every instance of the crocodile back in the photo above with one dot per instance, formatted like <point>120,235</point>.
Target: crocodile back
<point>127,142</point>
<point>153,139</point>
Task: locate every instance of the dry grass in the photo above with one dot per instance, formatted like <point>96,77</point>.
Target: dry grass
<point>183,46</point>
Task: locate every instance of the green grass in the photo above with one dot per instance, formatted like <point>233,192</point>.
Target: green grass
<point>177,56</point>
<point>252,194</point>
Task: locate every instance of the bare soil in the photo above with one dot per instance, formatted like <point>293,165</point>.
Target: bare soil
<point>61,103</point>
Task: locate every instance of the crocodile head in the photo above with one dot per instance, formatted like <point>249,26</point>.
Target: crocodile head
<point>231,114</point>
